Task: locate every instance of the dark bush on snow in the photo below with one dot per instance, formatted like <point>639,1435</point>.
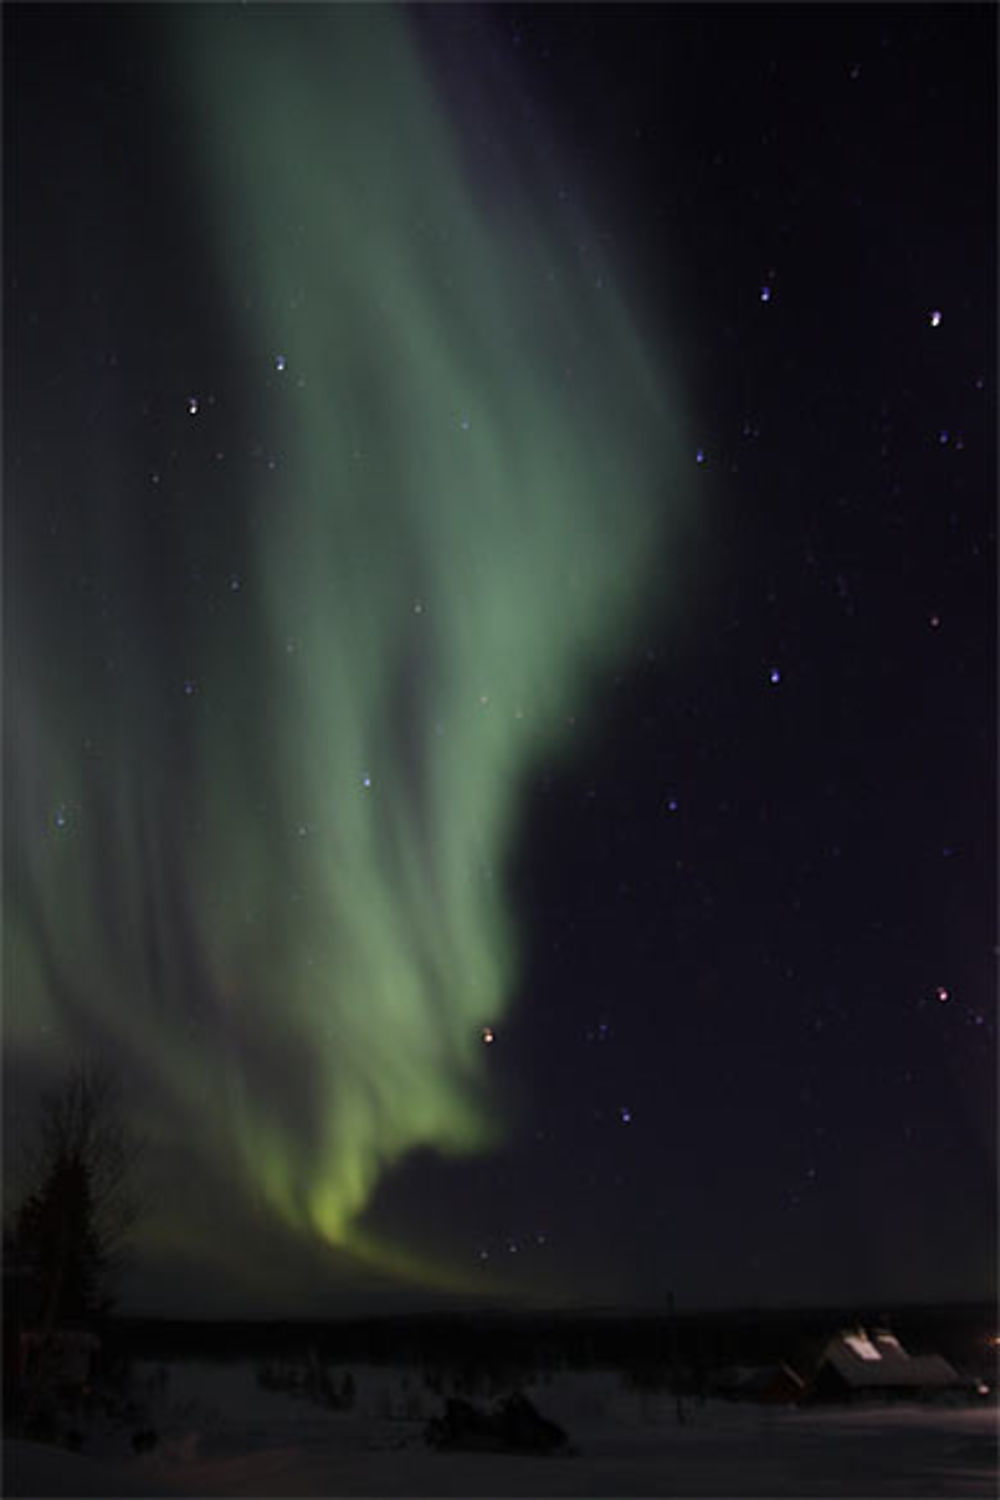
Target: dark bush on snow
<point>514,1426</point>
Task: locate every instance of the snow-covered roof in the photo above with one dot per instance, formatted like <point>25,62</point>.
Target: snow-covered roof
<point>881,1360</point>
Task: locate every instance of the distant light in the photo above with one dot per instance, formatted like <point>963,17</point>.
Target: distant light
<point>765,294</point>
<point>193,405</point>
<point>934,317</point>
<point>935,621</point>
<point>942,438</point>
<point>942,994</point>
<point>235,583</point>
<point>672,804</point>
<point>366,780</point>
<point>699,457</point>
<point>625,1115</point>
<point>774,676</point>
<point>488,1035</point>
<point>280,362</point>
<point>190,688</point>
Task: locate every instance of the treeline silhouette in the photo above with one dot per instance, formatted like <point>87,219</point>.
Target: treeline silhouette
<point>647,1341</point>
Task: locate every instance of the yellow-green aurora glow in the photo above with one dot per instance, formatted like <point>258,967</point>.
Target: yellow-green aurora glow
<point>467,516</point>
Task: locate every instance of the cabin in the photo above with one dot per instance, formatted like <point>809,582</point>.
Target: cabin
<point>856,1363</point>
<point>769,1385</point>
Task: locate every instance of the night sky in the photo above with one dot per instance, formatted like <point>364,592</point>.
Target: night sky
<point>499,643</point>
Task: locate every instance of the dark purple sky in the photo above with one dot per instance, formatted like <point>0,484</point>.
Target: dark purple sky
<point>752,1051</point>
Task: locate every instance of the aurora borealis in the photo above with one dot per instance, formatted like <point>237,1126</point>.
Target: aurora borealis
<point>499,572</point>
<point>464,540</point>
<point>475,469</point>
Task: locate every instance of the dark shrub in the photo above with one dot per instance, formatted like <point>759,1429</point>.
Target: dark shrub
<point>514,1426</point>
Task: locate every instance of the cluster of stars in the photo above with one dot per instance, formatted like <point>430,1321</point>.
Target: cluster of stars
<point>600,1033</point>
<point>512,1244</point>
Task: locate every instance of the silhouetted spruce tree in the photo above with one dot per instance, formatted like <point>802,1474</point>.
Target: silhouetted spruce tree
<point>58,1243</point>
<point>80,1205</point>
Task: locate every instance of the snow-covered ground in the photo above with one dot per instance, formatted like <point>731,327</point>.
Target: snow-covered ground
<point>220,1434</point>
